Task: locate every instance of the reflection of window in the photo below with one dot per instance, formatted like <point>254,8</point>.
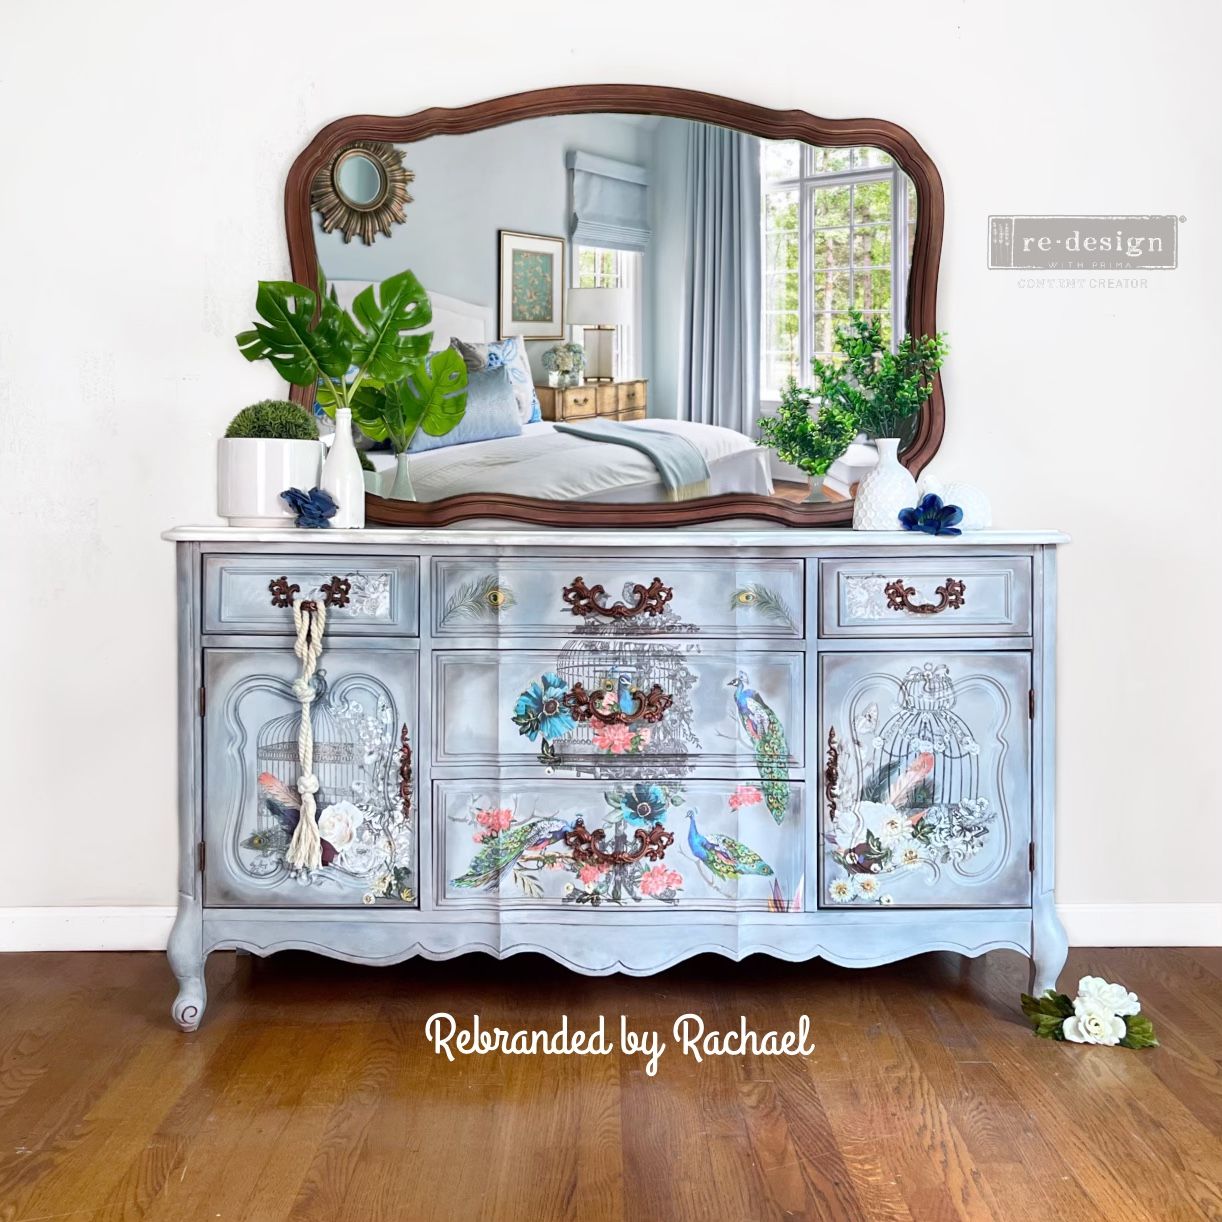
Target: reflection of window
<point>829,216</point>
<point>599,267</point>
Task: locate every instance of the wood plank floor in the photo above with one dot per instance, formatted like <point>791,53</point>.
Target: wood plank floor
<point>310,1093</point>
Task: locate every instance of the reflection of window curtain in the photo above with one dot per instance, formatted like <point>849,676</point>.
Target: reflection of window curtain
<point>610,203</point>
<point>719,371</point>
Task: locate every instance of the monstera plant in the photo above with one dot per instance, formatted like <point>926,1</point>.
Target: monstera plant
<point>375,361</point>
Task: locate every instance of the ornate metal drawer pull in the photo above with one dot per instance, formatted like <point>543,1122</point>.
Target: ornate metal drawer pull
<point>950,597</point>
<point>607,705</point>
<point>335,592</point>
<point>831,774</point>
<point>588,847</point>
<point>650,599</point>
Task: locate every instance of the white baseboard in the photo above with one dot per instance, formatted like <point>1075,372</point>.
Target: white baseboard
<point>148,928</point>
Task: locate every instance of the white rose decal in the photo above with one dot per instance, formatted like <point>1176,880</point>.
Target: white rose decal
<point>338,823</point>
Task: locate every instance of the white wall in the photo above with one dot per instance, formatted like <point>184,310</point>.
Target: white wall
<point>146,147</point>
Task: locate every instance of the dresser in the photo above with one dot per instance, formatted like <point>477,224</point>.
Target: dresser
<point>619,749</point>
<point>611,400</point>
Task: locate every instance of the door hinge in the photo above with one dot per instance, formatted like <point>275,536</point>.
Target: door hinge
<point>203,701</point>
<point>1030,857</point>
<point>1031,703</point>
<point>201,853</point>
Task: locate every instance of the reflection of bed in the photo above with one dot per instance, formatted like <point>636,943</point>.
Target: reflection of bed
<point>557,466</point>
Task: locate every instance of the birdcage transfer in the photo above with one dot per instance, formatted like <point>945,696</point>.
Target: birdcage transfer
<point>909,791</point>
<point>363,802</point>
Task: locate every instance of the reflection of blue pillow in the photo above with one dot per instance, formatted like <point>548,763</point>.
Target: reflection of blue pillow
<point>492,411</point>
<point>509,354</point>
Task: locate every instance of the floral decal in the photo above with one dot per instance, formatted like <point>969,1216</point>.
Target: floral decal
<point>619,739</point>
<point>745,795</point>
<point>540,712</point>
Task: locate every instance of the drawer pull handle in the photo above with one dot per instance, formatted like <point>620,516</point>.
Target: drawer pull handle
<point>588,847</point>
<point>950,597</point>
<point>831,774</point>
<point>650,599</point>
<point>610,706</point>
<point>335,592</point>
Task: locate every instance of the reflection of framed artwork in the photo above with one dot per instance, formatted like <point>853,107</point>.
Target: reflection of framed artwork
<point>531,286</point>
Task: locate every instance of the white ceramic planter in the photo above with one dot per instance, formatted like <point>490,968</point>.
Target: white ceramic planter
<point>252,472</point>
<point>885,491</point>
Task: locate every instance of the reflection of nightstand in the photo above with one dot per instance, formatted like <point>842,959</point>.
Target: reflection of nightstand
<point>611,400</point>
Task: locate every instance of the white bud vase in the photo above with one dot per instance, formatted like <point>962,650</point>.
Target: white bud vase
<point>884,491</point>
<point>401,489</point>
<point>342,476</point>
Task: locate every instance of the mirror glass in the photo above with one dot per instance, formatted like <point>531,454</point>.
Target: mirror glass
<point>698,268</point>
<point>358,180</point>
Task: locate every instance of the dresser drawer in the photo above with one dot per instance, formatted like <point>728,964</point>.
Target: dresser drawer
<point>546,597</point>
<point>577,402</point>
<point>382,595</point>
<point>666,845</point>
<point>608,705</point>
<point>632,397</point>
<point>934,596</point>
<point>606,397</point>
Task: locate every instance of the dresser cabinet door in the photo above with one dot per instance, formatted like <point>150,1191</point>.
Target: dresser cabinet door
<point>361,719</point>
<point>615,705</point>
<point>927,783</point>
<point>503,842</point>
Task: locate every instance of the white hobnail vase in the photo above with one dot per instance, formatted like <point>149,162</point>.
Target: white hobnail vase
<point>343,477</point>
<point>887,489</point>
<point>401,489</point>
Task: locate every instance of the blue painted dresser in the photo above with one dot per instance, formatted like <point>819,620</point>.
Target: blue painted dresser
<point>620,749</point>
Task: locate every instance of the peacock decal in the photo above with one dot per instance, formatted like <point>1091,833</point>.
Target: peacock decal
<point>725,857</point>
<point>763,727</point>
<point>501,851</point>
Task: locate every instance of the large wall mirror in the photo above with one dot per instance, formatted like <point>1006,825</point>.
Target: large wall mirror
<point>699,250</point>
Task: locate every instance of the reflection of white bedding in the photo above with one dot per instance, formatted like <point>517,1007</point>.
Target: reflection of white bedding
<point>559,467</point>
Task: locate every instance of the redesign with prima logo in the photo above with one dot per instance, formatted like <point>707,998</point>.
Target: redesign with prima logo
<point>688,1032</point>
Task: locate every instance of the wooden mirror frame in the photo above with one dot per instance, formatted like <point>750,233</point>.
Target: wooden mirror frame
<point>673,103</point>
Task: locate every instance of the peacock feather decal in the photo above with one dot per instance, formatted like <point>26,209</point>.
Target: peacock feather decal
<point>763,727</point>
<point>766,602</point>
<point>726,857</point>
<point>484,598</point>
<point>498,853</point>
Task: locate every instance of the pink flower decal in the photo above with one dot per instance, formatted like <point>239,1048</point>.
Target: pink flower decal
<point>590,875</point>
<point>618,738</point>
<point>660,879</point>
<point>493,821</point>
<point>745,795</point>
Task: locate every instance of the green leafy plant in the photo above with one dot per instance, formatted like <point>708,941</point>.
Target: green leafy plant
<point>431,396</point>
<point>865,388</point>
<point>312,340</point>
<point>276,418</point>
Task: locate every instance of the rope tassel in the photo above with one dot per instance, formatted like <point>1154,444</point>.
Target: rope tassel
<point>310,621</point>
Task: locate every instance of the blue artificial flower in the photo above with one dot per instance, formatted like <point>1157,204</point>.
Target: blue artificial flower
<point>314,509</point>
<point>931,517</point>
<point>540,709</point>
<point>644,805</point>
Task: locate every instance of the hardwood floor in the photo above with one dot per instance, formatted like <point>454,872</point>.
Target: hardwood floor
<point>310,1093</point>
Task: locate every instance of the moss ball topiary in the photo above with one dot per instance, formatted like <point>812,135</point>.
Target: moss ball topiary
<point>275,418</point>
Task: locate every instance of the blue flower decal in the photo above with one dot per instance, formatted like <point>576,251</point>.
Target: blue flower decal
<point>314,509</point>
<point>644,805</point>
<point>931,517</point>
<point>540,709</point>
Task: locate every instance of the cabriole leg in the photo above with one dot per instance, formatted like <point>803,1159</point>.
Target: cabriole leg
<point>185,952</point>
<point>1049,945</point>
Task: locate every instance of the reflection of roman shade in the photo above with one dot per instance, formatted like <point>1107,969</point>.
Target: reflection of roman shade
<point>610,202</point>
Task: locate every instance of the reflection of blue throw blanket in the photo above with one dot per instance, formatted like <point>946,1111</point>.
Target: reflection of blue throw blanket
<point>681,466</point>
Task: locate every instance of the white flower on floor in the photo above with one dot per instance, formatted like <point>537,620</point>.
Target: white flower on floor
<point>841,890</point>
<point>1114,998</point>
<point>1092,1024</point>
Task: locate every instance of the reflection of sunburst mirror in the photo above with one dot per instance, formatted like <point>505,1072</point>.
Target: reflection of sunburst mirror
<point>363,191</point>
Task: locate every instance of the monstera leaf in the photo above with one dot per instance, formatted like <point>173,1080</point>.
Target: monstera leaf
<point>381,350</point>
<point>432,396</point>
<point>302,351</point>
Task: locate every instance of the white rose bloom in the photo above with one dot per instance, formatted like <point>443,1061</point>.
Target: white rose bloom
<point>1090,1025</point>
<point>1114,998</point>
<point>338,823</point>
<point>881,816</point>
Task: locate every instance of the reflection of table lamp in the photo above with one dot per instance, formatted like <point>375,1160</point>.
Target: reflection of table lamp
<point>598,312</point>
